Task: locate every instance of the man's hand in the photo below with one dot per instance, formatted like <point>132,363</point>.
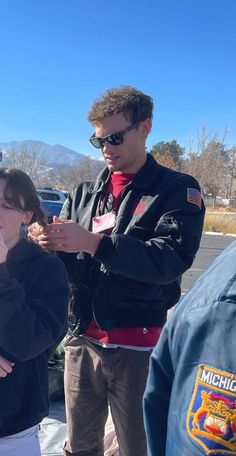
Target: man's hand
<point>64,236</point>
<point>5,367</point>
<point>35,231</point>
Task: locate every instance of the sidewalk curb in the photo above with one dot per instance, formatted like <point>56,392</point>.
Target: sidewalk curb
<point>215,233</point>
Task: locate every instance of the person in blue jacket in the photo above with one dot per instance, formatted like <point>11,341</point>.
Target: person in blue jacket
<point>190,396</point>
<point>33,316</point>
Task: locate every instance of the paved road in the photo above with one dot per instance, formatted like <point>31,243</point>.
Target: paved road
<point>211,246</point>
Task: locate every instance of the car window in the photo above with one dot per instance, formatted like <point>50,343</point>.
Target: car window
<point>46,196</point>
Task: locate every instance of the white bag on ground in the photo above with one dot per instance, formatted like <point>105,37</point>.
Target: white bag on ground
<point>111,447</point>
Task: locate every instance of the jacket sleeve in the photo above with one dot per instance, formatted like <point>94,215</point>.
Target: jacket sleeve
<point>157,396</point>
<point>169,251</point>
<point>65,213</point>
<point>32,322</point>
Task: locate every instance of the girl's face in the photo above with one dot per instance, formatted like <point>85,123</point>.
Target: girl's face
<point>11,219</point>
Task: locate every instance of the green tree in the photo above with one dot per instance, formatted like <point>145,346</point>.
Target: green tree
<point>170,149</point>
<point>165,160</point>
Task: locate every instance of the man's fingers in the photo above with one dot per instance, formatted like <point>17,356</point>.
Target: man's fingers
<point>5,363</point>
<point>52,238</point>
<point>56,219</point>
<point>32,238</point>
<point>3,373</point>
<point>5,367</point>
<point>52,245</point>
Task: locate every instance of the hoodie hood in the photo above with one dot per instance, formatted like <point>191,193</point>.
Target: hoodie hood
<point>25,250</point>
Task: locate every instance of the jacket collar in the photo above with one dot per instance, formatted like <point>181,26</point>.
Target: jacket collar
<point>148,174</point>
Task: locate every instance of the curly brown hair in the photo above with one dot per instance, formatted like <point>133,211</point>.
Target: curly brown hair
<point>21,193</point>
<point>131,102</point>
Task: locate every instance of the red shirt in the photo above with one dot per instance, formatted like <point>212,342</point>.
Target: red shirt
<point>136,337</point>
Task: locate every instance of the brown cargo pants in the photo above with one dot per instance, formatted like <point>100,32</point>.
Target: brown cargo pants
<point>94,377</point>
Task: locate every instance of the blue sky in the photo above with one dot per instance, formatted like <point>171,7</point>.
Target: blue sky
<point>56,56</point>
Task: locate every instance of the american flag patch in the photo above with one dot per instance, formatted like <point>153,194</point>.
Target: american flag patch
<point>194,196</point>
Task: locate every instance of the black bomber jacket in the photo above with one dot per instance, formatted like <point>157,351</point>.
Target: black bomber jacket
<point>135,274</point>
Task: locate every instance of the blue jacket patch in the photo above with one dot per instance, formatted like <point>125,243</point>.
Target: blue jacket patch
<point>211,418</point>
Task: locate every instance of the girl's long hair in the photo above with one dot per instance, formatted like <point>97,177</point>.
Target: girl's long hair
<point>21,193</point>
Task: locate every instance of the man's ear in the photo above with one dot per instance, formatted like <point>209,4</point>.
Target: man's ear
<point>27,217</point>
<point>146,126</point>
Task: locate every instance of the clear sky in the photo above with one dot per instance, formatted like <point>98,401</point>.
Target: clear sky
<point>56,56</point>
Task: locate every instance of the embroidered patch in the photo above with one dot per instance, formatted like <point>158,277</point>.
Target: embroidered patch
<point>194,197</point>
<point>211,419</point>
<point>139,207</point>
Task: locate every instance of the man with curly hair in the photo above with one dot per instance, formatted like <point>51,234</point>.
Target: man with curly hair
<point>126,238</point>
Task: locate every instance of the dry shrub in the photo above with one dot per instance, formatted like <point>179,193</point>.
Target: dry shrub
<point>220,223</point>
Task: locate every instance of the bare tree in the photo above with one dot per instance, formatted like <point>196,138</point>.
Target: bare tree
<point>203,136</point>
<point>89,168</point>
<point>232,170</point>
<point>191,164</point>
<point>27,157</point>
<point>213,169</point>
<point>208,161</point>
<point>68,177</point>
<point>62,177</point>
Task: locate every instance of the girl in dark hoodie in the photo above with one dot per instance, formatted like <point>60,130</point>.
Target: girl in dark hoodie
<point>33,316</point>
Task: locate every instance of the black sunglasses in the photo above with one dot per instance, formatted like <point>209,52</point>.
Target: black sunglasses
<point>116,139</point>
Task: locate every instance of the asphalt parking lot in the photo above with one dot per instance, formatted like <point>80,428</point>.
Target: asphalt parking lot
<point>210,248</point>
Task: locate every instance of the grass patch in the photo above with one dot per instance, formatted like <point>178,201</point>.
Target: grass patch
<point>221,209</point>
<point>220,223</point>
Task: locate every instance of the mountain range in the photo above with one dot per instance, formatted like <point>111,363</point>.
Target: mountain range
<point>53,155</point>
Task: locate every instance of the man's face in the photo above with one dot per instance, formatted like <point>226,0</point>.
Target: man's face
<point>130,156</point>
<point>11,219</point>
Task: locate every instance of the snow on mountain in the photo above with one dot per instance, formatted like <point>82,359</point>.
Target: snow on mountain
<point>52,155</point>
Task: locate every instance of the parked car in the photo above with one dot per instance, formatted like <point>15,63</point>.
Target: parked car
<point>48,194</point>
<point>51,201</point>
